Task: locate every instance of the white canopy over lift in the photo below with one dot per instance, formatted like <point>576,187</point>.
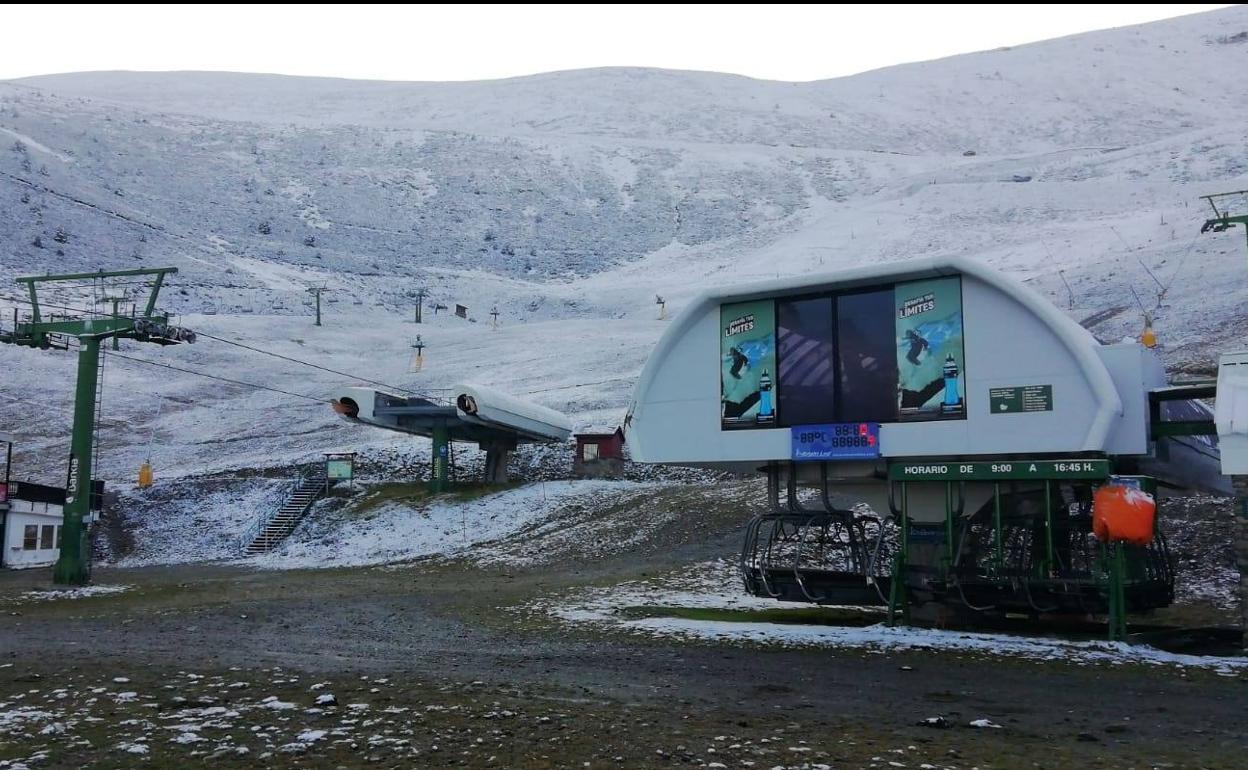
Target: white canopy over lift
<point>494,421</point>
<point>948,357</point>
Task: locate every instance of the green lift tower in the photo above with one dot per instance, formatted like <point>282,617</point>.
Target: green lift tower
<point>1222,219</point>
<point>72,567</point>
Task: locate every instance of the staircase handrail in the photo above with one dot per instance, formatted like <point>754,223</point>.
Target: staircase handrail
<point>262,521</point>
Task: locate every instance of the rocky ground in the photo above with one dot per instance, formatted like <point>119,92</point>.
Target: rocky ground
<point>1201,534</point>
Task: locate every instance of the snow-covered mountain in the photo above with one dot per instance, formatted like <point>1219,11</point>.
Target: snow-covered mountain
<point>569,200</point>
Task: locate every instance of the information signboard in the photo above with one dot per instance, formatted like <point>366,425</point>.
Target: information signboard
<point>836,441</point>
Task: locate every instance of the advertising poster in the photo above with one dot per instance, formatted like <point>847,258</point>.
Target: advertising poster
<point>747,364</point>
<point>930,359</point>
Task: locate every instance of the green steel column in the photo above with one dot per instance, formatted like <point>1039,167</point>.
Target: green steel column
<point>949,554</point>
<point>1048,530</point>
<point>71,566</point>
<point>151,300</point>
<point>116,339</point>
<point>34,304</point>
<point>996,525</point>
<point>898,598</point>
<point>439,480</point>
<point>1117,594</point>
<point>1240,485</point>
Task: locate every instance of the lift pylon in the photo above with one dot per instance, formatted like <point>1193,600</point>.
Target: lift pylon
<point>73,565</point>
<point>1223,219</point>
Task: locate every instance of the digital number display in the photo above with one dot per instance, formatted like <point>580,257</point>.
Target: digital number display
<point>836,441</point>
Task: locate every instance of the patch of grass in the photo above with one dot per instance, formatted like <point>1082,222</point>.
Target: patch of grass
<point>473,491</point>
<point>412,493</point>
<point>1198,613</point>
<point>819,616</point>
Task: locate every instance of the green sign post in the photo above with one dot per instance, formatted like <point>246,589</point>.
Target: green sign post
<point>439,477</point>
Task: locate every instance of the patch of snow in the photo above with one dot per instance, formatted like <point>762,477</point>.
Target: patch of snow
<point>984,723</point>
<point>278,705</point>
<point>13,718</point>
<point>83,592</point>
<point>602,607</point>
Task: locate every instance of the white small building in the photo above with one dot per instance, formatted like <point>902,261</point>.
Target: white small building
<point>31,527</point>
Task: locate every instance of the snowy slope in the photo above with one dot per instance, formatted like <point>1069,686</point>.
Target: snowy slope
<point>569,200</point>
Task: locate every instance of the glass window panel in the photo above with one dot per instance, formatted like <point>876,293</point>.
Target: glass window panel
<point>864,331</point>
<point>807,369</point>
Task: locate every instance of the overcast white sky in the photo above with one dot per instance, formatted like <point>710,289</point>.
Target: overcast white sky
<point>467,43</point>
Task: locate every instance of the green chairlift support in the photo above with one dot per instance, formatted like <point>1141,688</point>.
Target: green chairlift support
<point>1222,219</point>
<point>1112,569</point>
<point>116,304</point>
<point>72,567</point>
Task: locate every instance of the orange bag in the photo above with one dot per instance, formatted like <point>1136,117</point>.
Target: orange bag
<point>1122,513</point>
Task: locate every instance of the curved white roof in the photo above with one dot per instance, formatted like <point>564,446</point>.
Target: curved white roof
<point>996,295</point>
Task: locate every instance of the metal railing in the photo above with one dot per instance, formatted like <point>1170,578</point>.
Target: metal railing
<point>249,536</point>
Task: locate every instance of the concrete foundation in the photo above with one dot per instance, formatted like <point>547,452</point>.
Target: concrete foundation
<point>496,458</point>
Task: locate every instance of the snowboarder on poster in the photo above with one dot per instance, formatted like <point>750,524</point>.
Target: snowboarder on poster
<point>739,360</point>
<point>917,346</point>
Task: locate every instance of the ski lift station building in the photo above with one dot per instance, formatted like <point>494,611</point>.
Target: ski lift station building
<point>924,360</point>
<point>974,419</point>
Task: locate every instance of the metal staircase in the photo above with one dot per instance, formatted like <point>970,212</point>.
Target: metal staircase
<point>273,527</point>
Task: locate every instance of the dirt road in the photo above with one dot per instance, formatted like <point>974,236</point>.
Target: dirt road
<point>449,653</point>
